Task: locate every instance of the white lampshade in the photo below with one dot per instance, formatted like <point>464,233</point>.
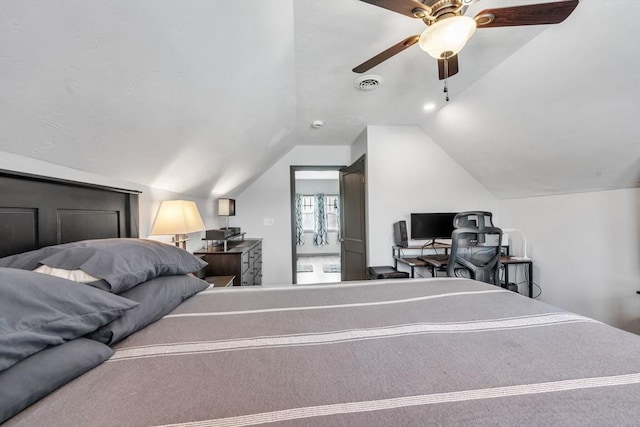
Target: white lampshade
<point>226,207</point>
<point>177,217</point>
<point>523,252</point>
<point>447,37</point>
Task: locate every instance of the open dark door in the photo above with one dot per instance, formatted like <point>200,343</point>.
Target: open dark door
<point>353,250</point>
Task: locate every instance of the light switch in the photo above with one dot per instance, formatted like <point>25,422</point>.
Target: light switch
<point>268,221</point>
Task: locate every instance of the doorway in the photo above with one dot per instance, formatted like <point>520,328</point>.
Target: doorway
<point>315,224</point>
<point>337,250</point>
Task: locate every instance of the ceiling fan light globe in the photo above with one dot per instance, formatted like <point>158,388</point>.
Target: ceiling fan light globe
<point>447,37</point>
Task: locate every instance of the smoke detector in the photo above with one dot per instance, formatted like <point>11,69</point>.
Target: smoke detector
<point>368,83</point>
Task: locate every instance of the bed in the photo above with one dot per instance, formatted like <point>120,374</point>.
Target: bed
<point>388,352</point>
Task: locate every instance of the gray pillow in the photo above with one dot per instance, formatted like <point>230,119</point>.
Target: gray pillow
<point>37,310</point>
<point>28,260</point>
<point>41,373</point>
<point>157,297</point>
<point>121,263</point>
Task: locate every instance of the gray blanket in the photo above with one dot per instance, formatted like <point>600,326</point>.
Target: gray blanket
<point>384,353</point>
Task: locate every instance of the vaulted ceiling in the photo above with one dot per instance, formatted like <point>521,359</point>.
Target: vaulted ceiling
<point>201,97</point>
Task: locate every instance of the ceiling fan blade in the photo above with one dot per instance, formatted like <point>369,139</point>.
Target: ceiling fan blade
<point>532,14</point>
<point>403,7</point>
<point>383,56</point>
<point>447,67</point>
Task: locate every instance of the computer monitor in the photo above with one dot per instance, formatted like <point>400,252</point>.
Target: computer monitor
<point>431,226</point>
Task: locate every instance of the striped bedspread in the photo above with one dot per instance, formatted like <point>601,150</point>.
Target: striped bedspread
<point>385,353</point>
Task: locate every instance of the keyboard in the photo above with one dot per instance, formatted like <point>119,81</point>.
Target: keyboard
<point>438,257</point>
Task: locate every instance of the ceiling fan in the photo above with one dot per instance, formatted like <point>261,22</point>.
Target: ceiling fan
<point>448,30</point>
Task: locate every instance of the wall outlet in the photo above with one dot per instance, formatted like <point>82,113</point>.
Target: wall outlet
<point>268,221</point>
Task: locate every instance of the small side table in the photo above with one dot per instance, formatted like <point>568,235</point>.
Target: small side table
<point>220,281</point>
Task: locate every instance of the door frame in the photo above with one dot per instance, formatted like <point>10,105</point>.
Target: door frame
<point>292,189</point>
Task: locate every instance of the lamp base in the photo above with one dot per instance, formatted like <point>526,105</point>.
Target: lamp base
<point>180,240</point>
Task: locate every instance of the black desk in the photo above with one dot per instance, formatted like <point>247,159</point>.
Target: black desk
<point>412,261</point>
<point>435,265</point>
<point>507,261</point>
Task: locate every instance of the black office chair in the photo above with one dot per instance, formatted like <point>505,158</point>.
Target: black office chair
<point>473,219</point>
<point>475,248</point>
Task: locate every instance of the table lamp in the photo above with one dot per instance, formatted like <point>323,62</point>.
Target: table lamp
<point>177,217</point>
<point>227,207</point>
<point>524,242</point>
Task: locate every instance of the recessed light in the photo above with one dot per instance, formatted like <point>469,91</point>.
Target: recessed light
<point>430,106</point>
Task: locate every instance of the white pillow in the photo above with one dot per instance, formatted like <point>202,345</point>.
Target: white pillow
<point>75,275</point>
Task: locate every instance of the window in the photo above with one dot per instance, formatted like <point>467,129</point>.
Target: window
<point>332,212</point>
<point>308,209</point>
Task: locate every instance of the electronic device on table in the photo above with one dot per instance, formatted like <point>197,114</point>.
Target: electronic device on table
<point>400,235</point>
<point>222,233</point>
<point>436,257</point>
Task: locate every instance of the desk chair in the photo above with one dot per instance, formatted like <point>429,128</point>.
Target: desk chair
<point>475,254</point>
<point>473,219</point>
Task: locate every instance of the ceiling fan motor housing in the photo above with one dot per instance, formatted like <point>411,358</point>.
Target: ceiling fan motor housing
<point>440,9</point>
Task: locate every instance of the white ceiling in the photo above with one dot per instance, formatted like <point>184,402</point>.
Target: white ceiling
<point>201,97</point>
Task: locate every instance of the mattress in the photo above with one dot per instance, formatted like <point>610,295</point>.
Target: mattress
<point>376,353</point>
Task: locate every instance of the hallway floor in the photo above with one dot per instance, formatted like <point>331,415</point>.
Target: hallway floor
<point>318,275</point>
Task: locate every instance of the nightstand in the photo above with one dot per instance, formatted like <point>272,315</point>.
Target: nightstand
<point>220,281</point>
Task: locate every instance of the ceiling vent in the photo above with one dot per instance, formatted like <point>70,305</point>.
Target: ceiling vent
<point>368,83</point>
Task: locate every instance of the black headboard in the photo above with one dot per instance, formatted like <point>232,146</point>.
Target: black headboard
<point>37,211</point>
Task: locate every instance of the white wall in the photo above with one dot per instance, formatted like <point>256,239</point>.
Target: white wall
<point>586,251</point>
<point>359,146</point>
<point>315,186</point>
<point>408,172</point>
<point>149,199</point>
<point>270,197</point>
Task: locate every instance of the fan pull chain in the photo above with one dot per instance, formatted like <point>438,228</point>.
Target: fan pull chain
<point>446,75</point>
